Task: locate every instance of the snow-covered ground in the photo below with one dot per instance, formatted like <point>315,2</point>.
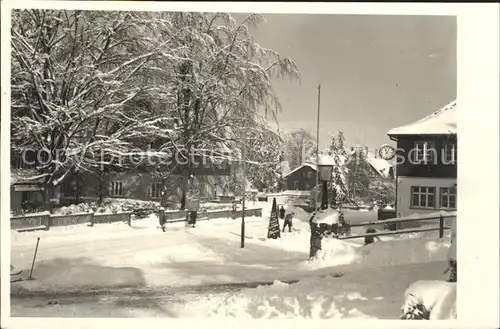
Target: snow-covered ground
<point>346,280</point>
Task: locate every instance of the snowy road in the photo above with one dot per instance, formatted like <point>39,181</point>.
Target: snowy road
<point>120,271</point>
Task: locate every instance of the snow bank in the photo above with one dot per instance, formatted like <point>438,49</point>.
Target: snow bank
<point>437,296</point>
<point>335,252</point>
<point>309,298</point>
<point>327,216</point>
<point>300,214</point>
<point>395,252</point>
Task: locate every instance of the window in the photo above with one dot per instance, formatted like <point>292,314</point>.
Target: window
<point>155,190</point>
<point>309,174</point>
<point>423,152</point>
<point>423,197</point>
<point>448,197</point>
<point>66,188</point>
<point>296,185</point>
<point>449,153</point>
<point>116,189</point>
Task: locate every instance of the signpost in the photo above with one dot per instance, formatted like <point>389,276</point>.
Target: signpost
<point>274,231</point>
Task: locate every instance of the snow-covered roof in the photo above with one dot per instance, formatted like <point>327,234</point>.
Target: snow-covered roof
<point>443,121</point>
<point>381,166</point>
<point>310,165</point>
<point>25,176</point>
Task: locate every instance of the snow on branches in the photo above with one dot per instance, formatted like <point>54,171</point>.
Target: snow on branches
<point>88,83</point>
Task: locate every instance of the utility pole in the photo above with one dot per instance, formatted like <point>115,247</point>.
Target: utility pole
<point>317,134</point>
<point>244,192</point>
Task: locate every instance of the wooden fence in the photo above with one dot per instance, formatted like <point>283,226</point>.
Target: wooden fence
<point>44,221</point>
<point>181,216</point>
<point>439,219</point>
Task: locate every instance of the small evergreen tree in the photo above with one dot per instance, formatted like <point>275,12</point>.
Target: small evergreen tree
<point>338,151</point>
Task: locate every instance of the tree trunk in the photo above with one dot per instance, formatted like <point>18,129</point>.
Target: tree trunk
<point>184,190</point>
<point>77,192</point>
<point>163,202</point>
<point>48,195</point>
<point>101,187</point>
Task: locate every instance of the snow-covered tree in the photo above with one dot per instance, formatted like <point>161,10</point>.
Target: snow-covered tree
<point>223,76</point>
<point>300,147</point>
<point>88,86</point>
<point>383,189</point>
<point>339,153</point>
<point>263,154</point>
<point>81,86</point>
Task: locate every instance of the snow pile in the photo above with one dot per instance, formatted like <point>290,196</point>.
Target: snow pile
<point>328,216</point>
<point>438,297</point>
<point>396,252</point>
<point>74,209</point>
<point>110,206</point>
<point>335,252</point>
<point>300,214</point>
<point>310,298</point>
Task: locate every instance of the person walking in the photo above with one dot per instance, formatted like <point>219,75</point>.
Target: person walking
<point>282,212</point>
<point>288,222</point>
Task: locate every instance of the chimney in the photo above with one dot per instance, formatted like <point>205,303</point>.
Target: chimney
<point>366,150</point>
<point>376,153</point>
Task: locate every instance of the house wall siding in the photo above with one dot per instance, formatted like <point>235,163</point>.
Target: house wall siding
<point>137,185</point>
<point>305,178</point>
<point>439,169</point>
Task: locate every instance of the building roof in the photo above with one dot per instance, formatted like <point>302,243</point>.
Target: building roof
<point>25,176</point>
<point>381,166</point>
<point>441,122</point>
<point>310,165</point>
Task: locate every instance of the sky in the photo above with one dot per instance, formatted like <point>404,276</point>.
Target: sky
<point>376,72</point>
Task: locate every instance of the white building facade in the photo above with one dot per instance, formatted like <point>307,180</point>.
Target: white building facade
<point>426,163</point>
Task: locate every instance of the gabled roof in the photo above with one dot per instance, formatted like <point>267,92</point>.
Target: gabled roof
<point>310,165</point>
<point>381,166</point>
<point>441,122</point>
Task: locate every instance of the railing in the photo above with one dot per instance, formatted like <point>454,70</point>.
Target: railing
<point>413,218</point>
<point>44,221</point>
<point>168,217</point>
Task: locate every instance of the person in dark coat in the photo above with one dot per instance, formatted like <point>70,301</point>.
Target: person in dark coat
<point>192,217</point>
<point>288,222</point>
<point>282,212</point>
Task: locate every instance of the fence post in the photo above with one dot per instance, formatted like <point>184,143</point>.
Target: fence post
<point>441,226</point>
<point>48,221</point>
<point>129,219</point>
<point>92,220</point>
<point>160,216</point>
